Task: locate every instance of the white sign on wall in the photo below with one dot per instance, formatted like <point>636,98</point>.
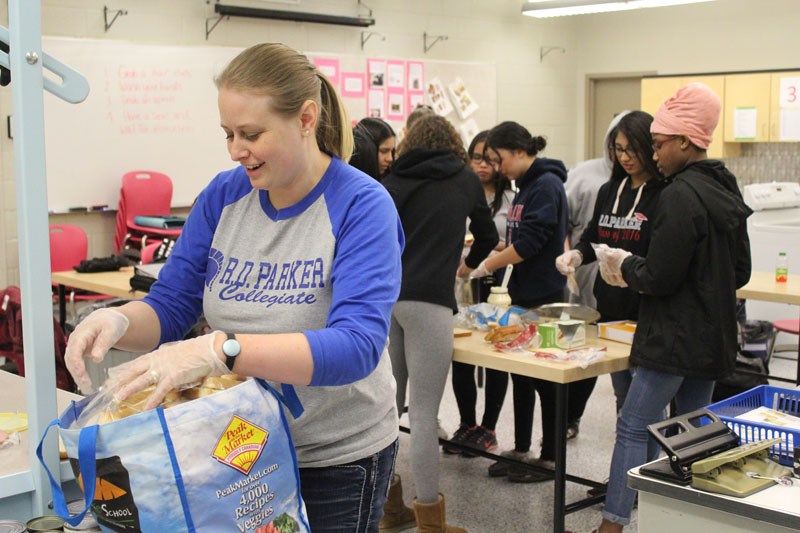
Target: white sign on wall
<point>790,93</point>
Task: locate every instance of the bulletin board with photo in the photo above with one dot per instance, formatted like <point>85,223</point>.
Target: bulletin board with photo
<point>390,88</point>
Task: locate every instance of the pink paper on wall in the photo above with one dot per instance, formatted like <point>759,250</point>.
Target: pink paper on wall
<point>330,67</point>
<point>414,100</point>
<point>376,103</point>
<point>376,69</point>
<point>396,104</point>
<point>354,85</point>
<point>395,74</point>
<point>416,76</point>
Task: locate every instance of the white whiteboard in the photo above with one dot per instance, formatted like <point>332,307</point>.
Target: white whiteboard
<point>154,107</point>
<point>149,108</point>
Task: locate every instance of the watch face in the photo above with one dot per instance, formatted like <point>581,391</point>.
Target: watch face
<point>231,348</point>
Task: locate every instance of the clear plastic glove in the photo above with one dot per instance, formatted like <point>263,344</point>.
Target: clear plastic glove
<point>479,272</point>
<point>612,278</point>
<point>463,270</point>
<point>610,261</point>
<point>93,338</point>
<point>614,258</point>
<point>567,262</point>
<point>169,367</point>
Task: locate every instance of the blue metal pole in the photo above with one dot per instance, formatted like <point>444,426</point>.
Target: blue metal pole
<point>33,233</point>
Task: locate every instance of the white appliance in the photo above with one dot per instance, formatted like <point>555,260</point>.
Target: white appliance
<point>774,227</point>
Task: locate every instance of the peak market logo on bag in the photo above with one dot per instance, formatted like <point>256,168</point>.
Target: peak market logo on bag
<point>113,500</point>
<point>240,445</point>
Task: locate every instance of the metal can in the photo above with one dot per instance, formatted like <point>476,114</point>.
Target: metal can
<point>42,524</point>
<point>11,526</point>
<point>81,529</point>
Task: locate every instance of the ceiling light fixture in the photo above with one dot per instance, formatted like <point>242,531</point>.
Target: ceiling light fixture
<point>559,8</point>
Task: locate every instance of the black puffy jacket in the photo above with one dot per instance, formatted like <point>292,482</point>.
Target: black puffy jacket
<point>699,255</point>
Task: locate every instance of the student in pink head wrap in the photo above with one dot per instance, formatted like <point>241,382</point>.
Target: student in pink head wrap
<point>698,256</point>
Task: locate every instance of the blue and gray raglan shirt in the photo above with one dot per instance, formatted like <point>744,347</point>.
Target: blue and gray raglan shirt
<point>328,266</point>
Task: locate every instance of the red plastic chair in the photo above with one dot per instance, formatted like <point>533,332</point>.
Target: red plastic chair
<point>791,326</point>
<point>68,247</point>
<point>144,193</point>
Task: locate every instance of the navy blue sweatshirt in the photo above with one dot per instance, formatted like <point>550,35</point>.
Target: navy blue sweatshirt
<point>537,226</point>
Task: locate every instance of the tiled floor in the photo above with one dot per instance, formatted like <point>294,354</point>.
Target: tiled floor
<point>488,505</point>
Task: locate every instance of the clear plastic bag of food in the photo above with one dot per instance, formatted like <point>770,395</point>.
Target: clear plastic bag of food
<point>104,406</point>
<point>485,316</point>
<point>525,339</point>
<point>583,357</point>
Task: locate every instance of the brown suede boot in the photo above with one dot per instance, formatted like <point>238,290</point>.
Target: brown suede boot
<point>430,517</point>
<point>396,516</point>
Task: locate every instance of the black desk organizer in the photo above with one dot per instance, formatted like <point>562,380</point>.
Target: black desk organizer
<point>692,437</point>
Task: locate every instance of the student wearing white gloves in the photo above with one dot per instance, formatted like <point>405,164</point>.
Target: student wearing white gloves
<point>623,218</point>
<point>536,229</point>
<point>274,255</point>
<point>698,256</point>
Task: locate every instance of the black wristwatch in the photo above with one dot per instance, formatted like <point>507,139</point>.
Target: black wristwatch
<point>231,348</point>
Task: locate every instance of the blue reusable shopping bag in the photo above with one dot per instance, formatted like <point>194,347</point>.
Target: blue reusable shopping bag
<point>224,462</point>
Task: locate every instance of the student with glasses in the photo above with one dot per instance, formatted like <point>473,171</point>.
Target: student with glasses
<point>535,234</point>
<point>699,254</point>
<point>483,162</point>
<point>582,186</point>
<point>623,218</point>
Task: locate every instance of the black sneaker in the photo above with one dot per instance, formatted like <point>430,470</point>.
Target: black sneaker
<point>520,474</point>
<point>461,436</point>
<point>501,468</point>
<point>481,439</point>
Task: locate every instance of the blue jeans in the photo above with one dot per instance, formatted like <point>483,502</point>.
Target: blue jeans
<point>648,395</point>
<point>621,381</point>
<point>348,498</point>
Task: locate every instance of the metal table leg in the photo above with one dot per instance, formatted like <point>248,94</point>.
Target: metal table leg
<point>62,307</point>
<point>797,381</point>
<point>560,481</point>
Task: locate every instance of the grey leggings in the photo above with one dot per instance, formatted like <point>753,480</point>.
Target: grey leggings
<point>421,349</point>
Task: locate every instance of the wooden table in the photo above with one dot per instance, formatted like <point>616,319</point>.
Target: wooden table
<point>475,351</point>
<point>116,283</point>
<point>762,286</point>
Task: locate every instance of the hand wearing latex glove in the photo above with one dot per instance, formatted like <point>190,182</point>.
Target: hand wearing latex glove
<point>567,262</point>
<point>463,270</point>
<point>172,365</point>
<point>614,258</point>
<point>93,338</point>
<point>479,272</point>
<point>612,278</point>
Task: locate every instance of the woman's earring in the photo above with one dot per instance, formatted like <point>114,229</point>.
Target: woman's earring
<point>305,133</point>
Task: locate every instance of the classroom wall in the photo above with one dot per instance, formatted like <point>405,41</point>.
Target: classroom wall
<point>539,95</point>
<point>724,35</point>
<point>548,96</point>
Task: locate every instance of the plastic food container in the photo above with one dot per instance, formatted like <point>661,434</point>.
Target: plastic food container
<point>782,400</point>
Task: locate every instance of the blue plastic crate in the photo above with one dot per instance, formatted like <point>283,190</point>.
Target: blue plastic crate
<point>783,400</point>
